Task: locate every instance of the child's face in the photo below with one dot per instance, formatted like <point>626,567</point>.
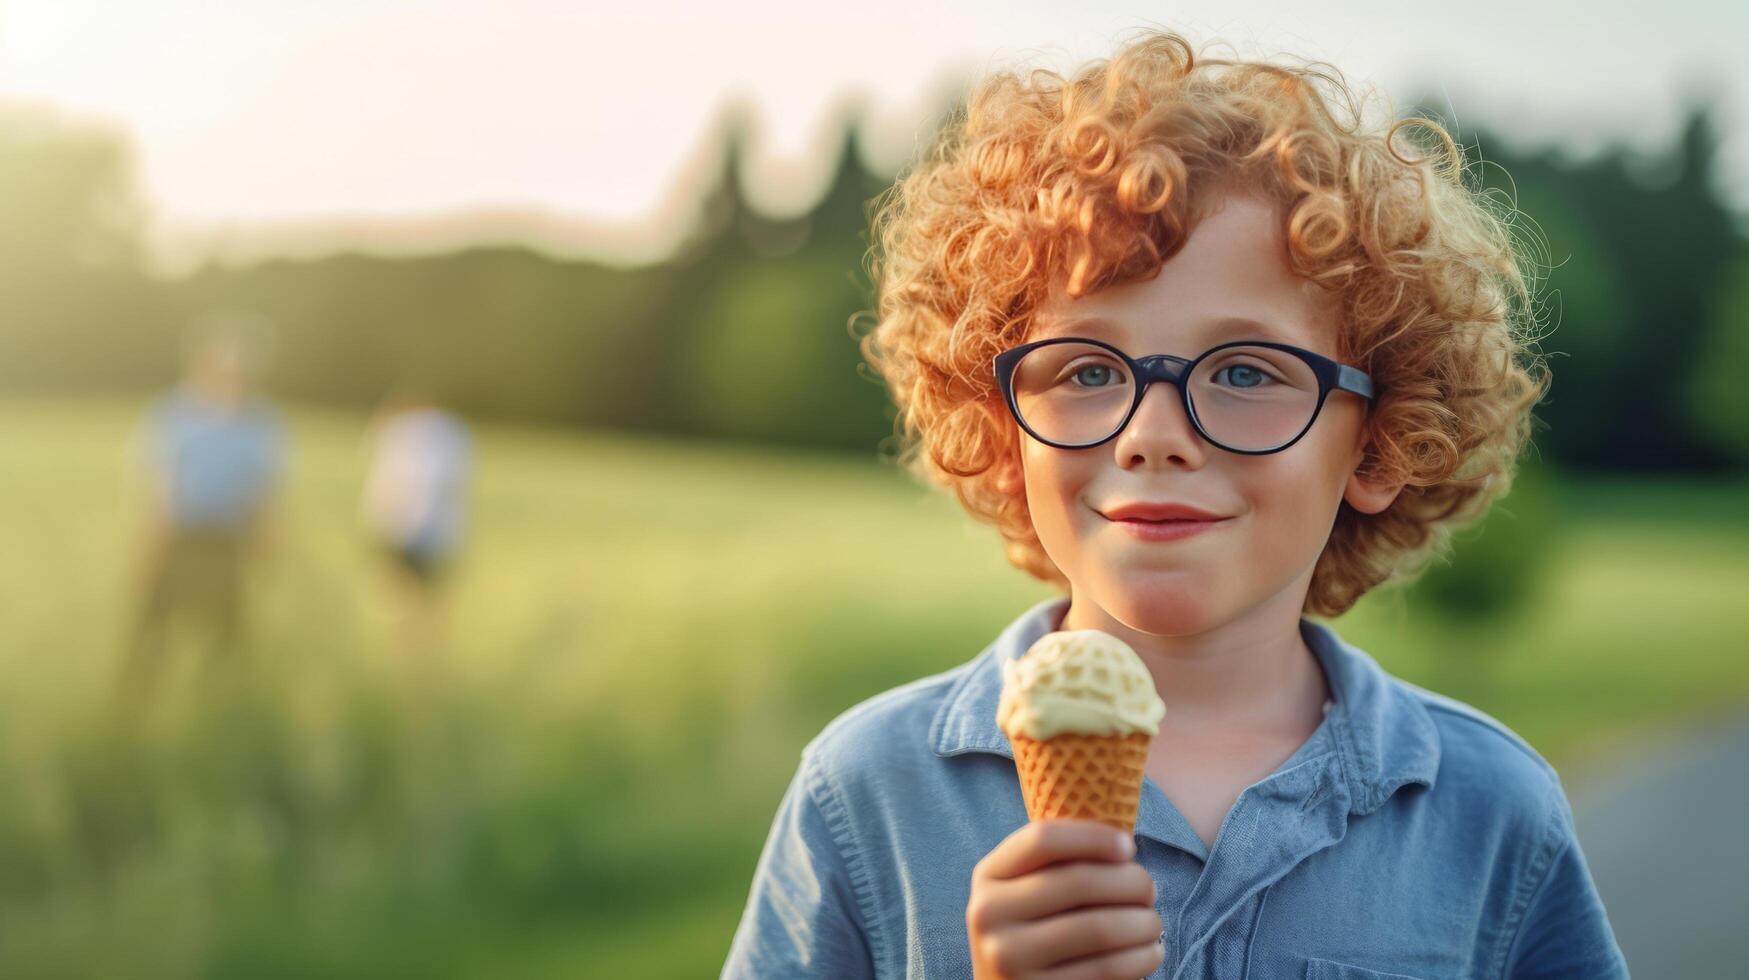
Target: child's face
<point>1281,506</point>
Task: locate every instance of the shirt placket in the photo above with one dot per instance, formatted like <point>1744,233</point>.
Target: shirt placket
<point>1273,826</point>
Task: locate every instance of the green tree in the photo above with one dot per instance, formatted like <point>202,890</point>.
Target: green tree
<point>1718,399</point>
<point>75,306</point>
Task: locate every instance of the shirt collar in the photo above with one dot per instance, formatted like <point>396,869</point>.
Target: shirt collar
<point>1384,737</point>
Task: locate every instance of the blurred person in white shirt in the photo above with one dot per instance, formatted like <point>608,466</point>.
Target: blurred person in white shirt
<point>412,509</point>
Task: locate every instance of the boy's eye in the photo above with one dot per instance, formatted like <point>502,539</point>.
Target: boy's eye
<point>1244,375</point>
<point>1095,375</point>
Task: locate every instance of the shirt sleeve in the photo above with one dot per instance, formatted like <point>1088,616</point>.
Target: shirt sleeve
<point>801,917</point>
<point>1564,931</point>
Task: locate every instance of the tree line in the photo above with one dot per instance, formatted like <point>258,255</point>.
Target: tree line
<point>748,331</point>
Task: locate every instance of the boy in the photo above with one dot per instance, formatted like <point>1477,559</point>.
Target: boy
<point>1333,329</point>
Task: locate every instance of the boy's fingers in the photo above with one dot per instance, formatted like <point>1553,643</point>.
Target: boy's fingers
<point>1137,961</point>
<point>1073,884</point>
<point>1045,842</point>
<point>1070,936</point>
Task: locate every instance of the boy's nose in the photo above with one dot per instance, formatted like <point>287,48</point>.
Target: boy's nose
<point>1161,430</point>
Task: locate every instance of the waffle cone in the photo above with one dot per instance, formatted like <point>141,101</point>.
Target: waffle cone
<point>1090,777</point>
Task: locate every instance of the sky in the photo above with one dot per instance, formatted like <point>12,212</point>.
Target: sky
<point>263,127</point>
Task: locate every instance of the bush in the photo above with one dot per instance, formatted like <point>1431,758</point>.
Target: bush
<point>1496,566</point>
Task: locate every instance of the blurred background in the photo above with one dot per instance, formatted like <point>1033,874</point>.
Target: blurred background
<point>439,496</point>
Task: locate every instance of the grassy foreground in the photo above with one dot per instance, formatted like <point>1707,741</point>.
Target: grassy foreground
<point>645,634</point>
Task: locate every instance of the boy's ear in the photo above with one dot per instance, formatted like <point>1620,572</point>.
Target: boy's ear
<point>1010,478</point>
<point>1368,497</point>
<point>1367,494</point>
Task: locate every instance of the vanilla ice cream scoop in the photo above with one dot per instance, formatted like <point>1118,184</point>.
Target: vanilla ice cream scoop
<point>1084,682</point>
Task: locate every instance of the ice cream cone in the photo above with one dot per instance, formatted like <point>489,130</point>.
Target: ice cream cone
<point>1092,777</point>
<point>1080,710</point>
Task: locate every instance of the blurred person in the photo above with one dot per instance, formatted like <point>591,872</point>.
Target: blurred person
<point>1215,358</point>
<point>213,452</point>
<point>412,510</point>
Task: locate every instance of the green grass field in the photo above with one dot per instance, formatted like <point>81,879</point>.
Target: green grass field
<point>645,633</point>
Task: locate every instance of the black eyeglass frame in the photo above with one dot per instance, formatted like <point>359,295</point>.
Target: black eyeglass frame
<point>1331,375</point>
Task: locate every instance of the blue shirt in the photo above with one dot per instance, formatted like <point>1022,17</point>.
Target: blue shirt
<point>219,464</point>
<point>1410,836</point>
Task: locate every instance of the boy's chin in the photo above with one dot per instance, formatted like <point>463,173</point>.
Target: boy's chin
<point>1162,606</point>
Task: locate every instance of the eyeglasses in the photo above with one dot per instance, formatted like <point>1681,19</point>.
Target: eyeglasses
<point>1250,396</point>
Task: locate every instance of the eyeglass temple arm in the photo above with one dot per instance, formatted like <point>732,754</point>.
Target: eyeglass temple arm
<point>1352,379</point>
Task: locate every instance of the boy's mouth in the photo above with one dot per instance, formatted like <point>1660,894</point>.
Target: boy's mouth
<point>1161,513</point>
<point>1165,529</point>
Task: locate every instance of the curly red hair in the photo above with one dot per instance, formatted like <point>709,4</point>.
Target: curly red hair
<point>1099,179</point>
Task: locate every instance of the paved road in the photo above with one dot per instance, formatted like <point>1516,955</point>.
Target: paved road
<point>1667,840</point>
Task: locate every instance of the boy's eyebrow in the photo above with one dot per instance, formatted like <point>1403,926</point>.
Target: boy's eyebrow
<point>1090,326</point>
<point>1230,326</point>
<point>1212,332</point>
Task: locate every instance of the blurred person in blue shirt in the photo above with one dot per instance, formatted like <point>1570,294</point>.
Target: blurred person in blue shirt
<point>214,454</point>
<point>1214,360</point>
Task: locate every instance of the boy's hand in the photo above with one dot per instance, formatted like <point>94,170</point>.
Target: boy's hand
<point>1026,916</point>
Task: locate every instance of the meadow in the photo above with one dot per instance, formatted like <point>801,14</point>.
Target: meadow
<point>645,632</point>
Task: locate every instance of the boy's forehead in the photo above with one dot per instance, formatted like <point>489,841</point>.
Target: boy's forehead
<point>1198,331</point>
<point>1231,281</point>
